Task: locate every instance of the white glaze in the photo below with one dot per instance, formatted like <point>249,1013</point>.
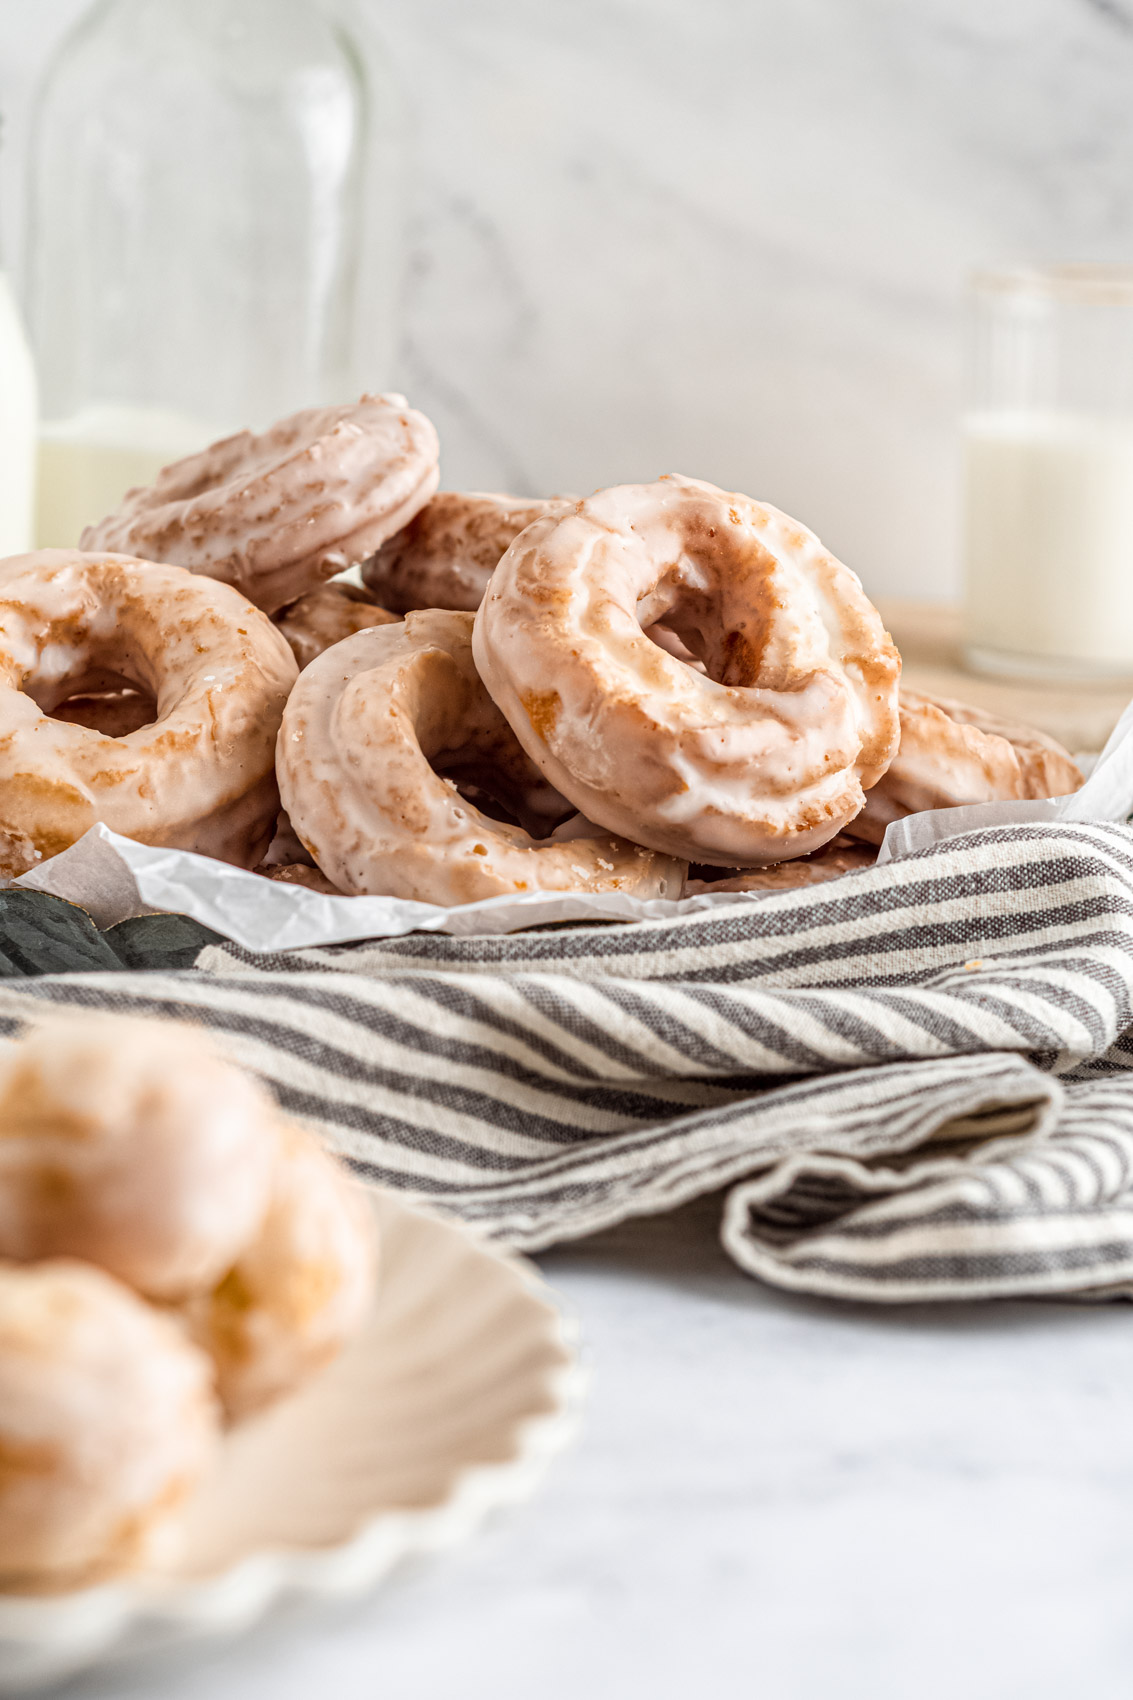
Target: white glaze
<point>201,776</point>
<point>763,760</point>
<point>951,754</point>
<point>325,616</point>
<point>107,1422</point>
<point>299,1290</point>
<point>134,1145</point>
<point>275,513</point>
<point>358,736</point>
<point>447,553</point>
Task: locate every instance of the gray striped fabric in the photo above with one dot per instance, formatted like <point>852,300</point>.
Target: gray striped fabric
<point>918,1079</point>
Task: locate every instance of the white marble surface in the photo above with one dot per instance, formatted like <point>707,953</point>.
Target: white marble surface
<point>726,238</point>
<point>772,1497</point>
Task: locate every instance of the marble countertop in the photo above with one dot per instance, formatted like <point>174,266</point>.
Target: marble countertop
<point>772,1496</point>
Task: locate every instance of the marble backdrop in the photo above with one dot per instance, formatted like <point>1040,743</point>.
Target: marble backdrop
<point>724,237</point>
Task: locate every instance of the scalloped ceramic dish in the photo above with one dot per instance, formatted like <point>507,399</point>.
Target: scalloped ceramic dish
<point>451,1402</point>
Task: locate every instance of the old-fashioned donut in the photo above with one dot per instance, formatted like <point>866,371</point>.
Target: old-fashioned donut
<point>764,759</point>
<point>299,1289</point>
<point>377,734</point>
<point>132,1144</point>
<point>107,1422</point>
<point>951,753</point>
<point>200,775</point>
<point>276,512</point>
<point>326,615</point>
<point>447,553</point>
<point>841,856</point>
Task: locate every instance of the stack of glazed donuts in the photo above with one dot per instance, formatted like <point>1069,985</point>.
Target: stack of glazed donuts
<point>659,689</point>
<point>173,1256</point>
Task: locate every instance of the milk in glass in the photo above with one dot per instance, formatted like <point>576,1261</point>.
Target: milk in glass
<point>1049,475</point>
<point>17,429</point>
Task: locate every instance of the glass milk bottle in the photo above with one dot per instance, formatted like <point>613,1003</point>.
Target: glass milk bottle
<point>17,428</point>
<point>1049,474</point>
<point>199,179</point>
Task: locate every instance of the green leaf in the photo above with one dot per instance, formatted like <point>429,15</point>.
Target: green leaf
<point>41,934</point>
<point>159,941</point>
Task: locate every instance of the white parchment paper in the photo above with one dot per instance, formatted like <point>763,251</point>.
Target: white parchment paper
<point>113,878</point>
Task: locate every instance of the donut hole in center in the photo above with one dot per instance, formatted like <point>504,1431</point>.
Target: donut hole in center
<point>712,609</point>
<point>533,806</point>
<point>114,713</point>
<point>466,741</point>
<point>102,698</point>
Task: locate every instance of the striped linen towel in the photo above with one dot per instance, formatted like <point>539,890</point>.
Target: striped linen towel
<point>917,1080</point>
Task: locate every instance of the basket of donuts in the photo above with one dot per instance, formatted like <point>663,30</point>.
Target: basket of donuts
<point>218,1351</point>
<point>292,663</point>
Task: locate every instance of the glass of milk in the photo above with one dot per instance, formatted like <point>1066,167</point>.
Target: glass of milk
<point>17,429</point>
<point>1049,474</point>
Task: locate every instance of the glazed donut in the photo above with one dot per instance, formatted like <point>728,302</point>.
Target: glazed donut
<point>326,615</point>
<point>840,856</point>
<point>299,1290</point>
<point>201,776</point>
<point>134,1145</point>
<point>275,513</point>
<point>763,760</point>
<point>952,754</point>
<point>447,553</point>
<point>107,1421</point>
<point>376,734</point>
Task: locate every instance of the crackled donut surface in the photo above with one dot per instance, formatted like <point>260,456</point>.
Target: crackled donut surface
<point>326,615</point>
<point>377,734</point>
<point>299,1289</point>
<point>763,757</point>
<point>108,1420</point>
<point>200,776</point>
<point>951,753</point>
<point>276,512</point>
<point>133,1144</point>
<point>447,553</point>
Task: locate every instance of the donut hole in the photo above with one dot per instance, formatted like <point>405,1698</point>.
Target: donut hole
<point>114,713</point>
<point>88,686</point>
<point>728,653</point>
<point>706,615</point>
<point>516,799</point>
<point>666,638</point>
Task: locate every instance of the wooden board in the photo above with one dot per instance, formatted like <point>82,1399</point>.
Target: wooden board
<point>928,636</point>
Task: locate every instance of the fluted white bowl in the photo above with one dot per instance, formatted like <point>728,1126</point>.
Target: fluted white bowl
<point>449,1404</point>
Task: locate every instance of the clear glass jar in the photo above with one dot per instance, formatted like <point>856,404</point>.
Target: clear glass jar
<point>1049,473</point>
<point>199,184</point>
<point>17,428</point>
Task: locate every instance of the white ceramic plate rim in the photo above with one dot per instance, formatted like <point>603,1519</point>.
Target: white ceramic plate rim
<point>44,1639</point>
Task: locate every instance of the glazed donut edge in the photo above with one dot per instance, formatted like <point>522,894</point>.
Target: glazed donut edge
<point>357,746</point>
<point>764,759</point>
<point>275,513</point>
<point>200,776</point>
